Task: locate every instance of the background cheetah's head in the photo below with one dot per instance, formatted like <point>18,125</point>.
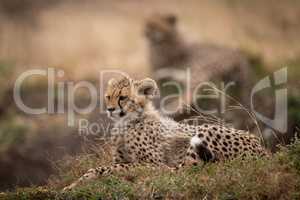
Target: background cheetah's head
<point>129,99</point>
<point>161,28</point>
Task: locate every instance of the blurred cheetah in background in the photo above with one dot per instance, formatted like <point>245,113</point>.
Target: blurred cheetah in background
<point>170,54</point>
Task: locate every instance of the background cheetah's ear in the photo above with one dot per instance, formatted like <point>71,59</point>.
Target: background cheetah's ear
<point>171,19</point>
<point>148,87</point>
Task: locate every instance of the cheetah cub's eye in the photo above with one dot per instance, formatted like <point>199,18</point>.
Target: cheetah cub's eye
<point>122,98</point>
<point>107,97</point>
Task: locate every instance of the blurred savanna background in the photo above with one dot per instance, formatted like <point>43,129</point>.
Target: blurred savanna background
<point>84,37</point>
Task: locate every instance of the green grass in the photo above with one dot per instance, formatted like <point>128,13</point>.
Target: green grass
<point>261,179</point>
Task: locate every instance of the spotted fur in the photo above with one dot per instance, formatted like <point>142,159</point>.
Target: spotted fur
<point>142,136</point>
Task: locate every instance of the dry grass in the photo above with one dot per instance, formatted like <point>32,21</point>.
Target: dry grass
<point>269,179</point>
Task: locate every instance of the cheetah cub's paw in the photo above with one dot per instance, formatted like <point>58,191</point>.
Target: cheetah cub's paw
<point>90,174</point>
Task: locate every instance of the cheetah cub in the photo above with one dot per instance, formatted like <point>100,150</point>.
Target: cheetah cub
<point>141,136</point>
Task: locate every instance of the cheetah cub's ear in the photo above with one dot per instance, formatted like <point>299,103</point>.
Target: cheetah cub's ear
<point>148,88</point>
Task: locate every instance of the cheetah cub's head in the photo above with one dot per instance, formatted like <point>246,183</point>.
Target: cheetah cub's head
<point>127,99</point>
<point>161,28</point>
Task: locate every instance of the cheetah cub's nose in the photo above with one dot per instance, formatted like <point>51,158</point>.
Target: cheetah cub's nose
<point>111,109</point>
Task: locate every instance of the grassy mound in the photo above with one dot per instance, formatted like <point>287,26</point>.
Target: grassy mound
<point>262,179</point>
